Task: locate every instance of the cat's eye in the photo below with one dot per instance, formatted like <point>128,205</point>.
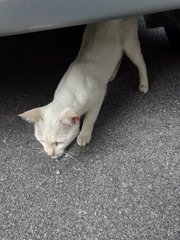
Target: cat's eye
<point>57,143</point>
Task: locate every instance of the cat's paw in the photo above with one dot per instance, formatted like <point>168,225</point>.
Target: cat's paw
<point>83,139</point>
<point>143,88</point>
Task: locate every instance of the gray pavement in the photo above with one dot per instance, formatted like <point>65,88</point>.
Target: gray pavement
<point>125,185</point>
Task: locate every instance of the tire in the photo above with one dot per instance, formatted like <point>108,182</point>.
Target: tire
<point>173,35</point>
<point>173,30</point>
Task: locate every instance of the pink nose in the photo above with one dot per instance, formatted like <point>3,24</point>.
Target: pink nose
<point>50,152</point>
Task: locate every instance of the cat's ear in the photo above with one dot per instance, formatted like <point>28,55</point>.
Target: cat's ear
<point>32,116</point>
<point>70,117</point>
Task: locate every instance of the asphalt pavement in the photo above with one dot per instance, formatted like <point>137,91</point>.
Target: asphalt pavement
<point>125,185</point>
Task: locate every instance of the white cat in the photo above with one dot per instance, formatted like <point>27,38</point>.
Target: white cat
<point>83,87</point>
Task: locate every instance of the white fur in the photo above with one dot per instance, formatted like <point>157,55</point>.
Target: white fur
<point>83,86</point>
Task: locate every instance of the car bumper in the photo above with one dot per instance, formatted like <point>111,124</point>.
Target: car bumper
<point>22,16</point>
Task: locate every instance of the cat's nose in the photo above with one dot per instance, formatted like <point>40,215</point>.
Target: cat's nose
<point>50,152</point>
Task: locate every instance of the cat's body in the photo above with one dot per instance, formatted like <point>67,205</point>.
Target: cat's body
<point>83,86</point>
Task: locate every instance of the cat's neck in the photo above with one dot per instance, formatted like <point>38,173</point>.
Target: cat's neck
<point>66,98</point>
<point>65,101</point>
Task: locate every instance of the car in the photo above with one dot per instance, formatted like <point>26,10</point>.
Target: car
<point>170,20</point>
<point>23,16</point>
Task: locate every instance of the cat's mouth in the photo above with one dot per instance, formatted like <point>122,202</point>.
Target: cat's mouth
<point>59,155</point>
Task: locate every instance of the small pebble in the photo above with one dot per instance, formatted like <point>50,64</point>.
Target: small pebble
<point>58,172</point>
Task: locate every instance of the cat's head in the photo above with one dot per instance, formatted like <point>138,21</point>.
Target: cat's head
<point>55,131</point>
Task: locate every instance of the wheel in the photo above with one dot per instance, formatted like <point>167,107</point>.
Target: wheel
<point>173,35</point>
<point>173,30</point>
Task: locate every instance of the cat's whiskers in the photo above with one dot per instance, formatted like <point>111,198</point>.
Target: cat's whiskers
<point>66,154</point>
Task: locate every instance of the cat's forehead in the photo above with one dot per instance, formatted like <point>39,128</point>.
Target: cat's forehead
<point>51,131</point>
<point>49,118</point>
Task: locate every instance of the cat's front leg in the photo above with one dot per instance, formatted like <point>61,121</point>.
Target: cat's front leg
<point>84,138</point>
<point>85,134</point>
